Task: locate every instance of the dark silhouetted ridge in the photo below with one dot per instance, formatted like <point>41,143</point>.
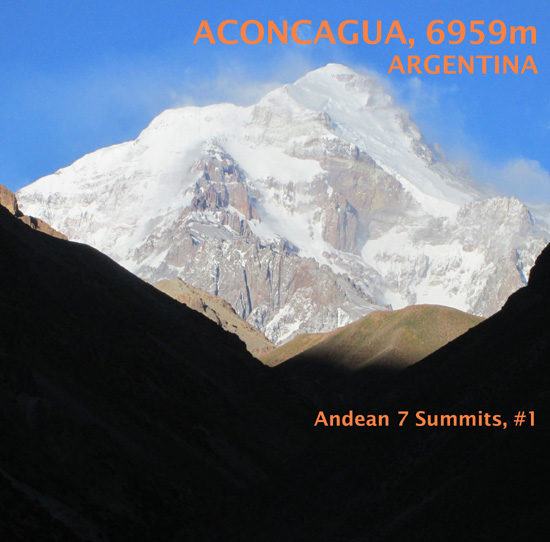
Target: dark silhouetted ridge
<point>440,482</point>
<point>123,413</point>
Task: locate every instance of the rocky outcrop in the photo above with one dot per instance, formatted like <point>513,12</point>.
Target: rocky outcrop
<point>339,224</point>
<point>9,201</point>
<point>219,311</point>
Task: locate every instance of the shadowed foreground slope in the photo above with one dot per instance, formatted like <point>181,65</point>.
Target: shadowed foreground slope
<point>124,415</point>
<point>293,348</point>
<point>438,482</point>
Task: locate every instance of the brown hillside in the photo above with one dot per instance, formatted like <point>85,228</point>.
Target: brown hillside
<point>398,338</point>
<point>218,310</point>
<point>293,348</point>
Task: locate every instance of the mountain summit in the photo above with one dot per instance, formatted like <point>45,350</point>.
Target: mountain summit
<point>306,211</point>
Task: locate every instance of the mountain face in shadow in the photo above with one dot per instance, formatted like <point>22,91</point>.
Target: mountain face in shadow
<point>124,415</point>
<point>429,479</point>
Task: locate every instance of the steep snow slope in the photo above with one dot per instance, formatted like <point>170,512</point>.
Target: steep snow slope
<point>305,211</point>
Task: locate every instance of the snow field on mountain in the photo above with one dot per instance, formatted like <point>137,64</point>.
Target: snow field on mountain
<point>306,210</point>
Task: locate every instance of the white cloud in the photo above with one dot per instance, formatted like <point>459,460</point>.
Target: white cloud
<point>232,80</point>
<point>113,101</point>
<point>525,177</point>
<point>441,119</point>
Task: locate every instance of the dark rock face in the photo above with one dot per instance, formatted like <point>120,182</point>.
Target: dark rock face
<point>340,224</point>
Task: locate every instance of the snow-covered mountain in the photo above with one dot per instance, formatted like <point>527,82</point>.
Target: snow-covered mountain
<point>305,211</point>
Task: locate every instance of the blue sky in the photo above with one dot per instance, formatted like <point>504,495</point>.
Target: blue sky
<point>77,76</point>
